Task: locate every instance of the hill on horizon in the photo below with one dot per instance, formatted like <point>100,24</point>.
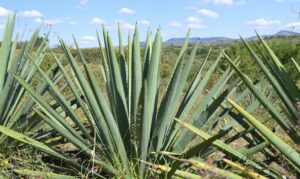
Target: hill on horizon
<point>180,40</point>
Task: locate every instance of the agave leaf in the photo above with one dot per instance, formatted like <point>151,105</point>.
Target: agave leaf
<point>147,54</point>
<point>212,108</point>
<point>172,130</point>
<point>119,91</point>
<point>30,173</point>
<point>108,66</point>
<point>149,99</point>
<point>34,143</point>
<point>188,104</point>
<point>130,75</point>
<point>152,79</point>
<point>26,105</point>
<point>76,138</point>
<point>136,76</point>
<point>40,146</point>
<point>120,96</point>
<point>205,166</point>
<point>280,91</point>
<point>196,80</point>
<point>178,173</point>
<point>296,65</point>
<point>129,57</point>
<point>225,148</point>
<point>27,70</point>
<point>255,149</point>
<point>104,61</point>
<point>105,39</point>
<point>5,49</point>
<point>117,79</point>
<point>75,91</point>
<point>12,53</point>
<point>196,150</point>
<point>199,117</point>
<point>143,134</point>
<point>22,68</point>
<point>90,98</point>
<point>238,119</point>
<point>264,101</point>
<point>123,63</point>
<point>166,108</point>
<point>225,108</point>
<point>109,169</point>
<point>60,98</point>
<point>104,118</point>
<point>246,171</point>
<point>279,144</point>
<point>12,93</point>
<point>288,81</point>
<point>250,109</point>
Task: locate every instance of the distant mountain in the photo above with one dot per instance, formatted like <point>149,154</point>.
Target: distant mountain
<point>280,33</point>
<point>286,33</point>
<point>180,41</point>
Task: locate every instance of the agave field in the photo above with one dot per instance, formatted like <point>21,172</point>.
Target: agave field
<point>127,125</point>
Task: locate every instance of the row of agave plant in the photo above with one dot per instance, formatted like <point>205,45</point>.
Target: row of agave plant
<point>129,127</point>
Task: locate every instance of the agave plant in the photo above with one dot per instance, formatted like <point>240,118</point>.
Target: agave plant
<point>283,85</point>
<point>15,105</point>
<point>286,115</point>
<point>128,124</point>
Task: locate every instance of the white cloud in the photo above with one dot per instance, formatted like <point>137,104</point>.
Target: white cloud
<point>126,10</point>
<point>4,12</point>
<point>96,20</point>
<point>144,22</point>
<point>208,13</point>
<point>26,13</point>
<point>175,24</point>
<point>88,38</point>
<point>197,26</point>
<point>48,21</point>
<point>262,23</point>
<point>195,23</point>
<point>223,2</point>
<point>72,23</point>
<point>279,0</point>
<point>125,25</point>
<point>193,19</point>
<point>30,13</point>
<point>83,2</point>
<point>293,25</point>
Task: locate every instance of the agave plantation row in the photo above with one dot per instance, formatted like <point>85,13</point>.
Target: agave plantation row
<point>129,128</point>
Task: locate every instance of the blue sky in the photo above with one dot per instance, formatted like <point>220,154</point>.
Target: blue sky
<point>206,18</point>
